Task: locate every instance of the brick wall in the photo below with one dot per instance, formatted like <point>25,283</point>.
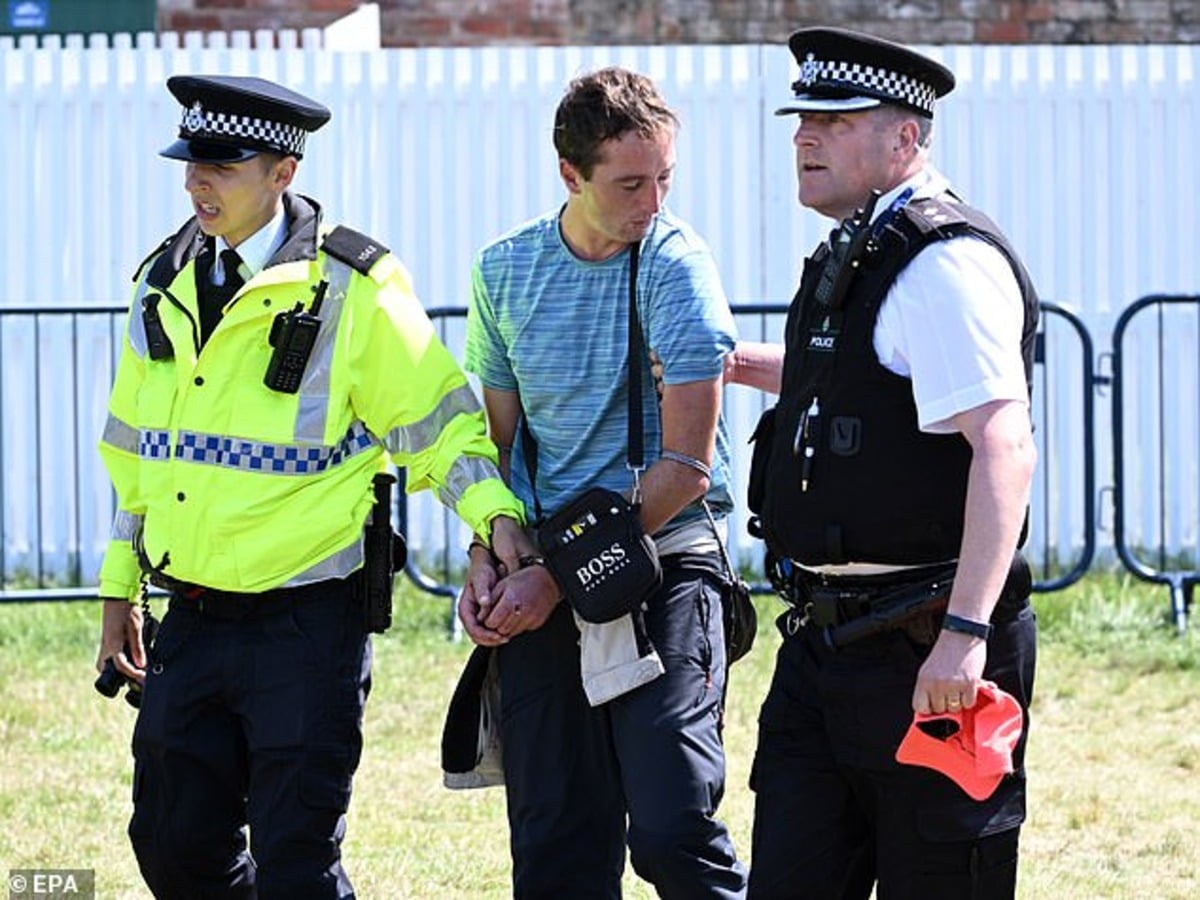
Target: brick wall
<point>553,22</point>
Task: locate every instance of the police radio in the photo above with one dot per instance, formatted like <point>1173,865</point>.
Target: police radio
<point>293,335</point>
<point>847,247</point>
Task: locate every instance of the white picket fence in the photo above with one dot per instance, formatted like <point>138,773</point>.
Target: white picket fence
<point>1084,155</point>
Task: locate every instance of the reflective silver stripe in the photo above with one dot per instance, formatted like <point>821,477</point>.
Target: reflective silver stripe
<point>313,409</point>
<point>125,526</point>
<point>119,435</point>
<point>424,434</point>
<point>466,471</point>
<point>137,328</point>
<point>339,565</point>
<point>277,459</point>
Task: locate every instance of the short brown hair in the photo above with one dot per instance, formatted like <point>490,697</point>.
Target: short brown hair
<point>603,105</point>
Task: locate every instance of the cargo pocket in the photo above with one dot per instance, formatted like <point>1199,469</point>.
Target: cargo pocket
<point>947,814</point>
<point>325,781</point>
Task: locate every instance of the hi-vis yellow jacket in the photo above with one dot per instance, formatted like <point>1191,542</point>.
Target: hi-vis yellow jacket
<point>236,486</point>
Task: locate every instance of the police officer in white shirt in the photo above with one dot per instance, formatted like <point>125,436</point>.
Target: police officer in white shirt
<point>899,456</point>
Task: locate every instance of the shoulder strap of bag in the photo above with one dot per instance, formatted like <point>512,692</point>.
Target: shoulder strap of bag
<point>635,450</point>
<point>730,572</point>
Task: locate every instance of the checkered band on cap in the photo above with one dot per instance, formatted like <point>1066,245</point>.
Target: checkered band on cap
<point>875,80</point>
<point>206,124</point>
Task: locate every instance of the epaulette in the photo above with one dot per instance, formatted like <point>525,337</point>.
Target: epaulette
<point>150,256</point>
<point>934,214</point>
<point>356,250</point>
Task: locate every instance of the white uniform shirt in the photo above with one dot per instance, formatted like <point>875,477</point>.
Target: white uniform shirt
<point>952,323</point>
<point>255,251</point>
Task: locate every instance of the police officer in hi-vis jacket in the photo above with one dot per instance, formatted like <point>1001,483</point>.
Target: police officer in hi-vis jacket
<point>272,366</point>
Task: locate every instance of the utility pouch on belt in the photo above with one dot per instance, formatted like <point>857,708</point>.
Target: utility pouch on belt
<point>384,553</point>
<point>602,559</point>
<point>764,434</point>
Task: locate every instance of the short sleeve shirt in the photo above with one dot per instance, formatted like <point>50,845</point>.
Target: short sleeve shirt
<point>952,323</point>
<point>554,328</point>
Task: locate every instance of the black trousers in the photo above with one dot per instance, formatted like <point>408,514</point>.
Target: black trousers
<point>252,715</point>
<point>834,813</point>
<point>646,769</point>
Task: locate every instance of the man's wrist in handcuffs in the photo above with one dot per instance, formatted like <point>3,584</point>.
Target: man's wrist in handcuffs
<point>532,560</point>
<point>478,544</point>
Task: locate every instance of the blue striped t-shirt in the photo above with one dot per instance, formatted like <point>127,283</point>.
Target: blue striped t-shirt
<point>555,329</point>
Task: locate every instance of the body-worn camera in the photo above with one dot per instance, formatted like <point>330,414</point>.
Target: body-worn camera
<point>158,345</point>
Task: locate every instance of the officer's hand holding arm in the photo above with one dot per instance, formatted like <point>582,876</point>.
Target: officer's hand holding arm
<point>756,365</point>
<point>527,596</point>
<point>998,485</point>
<point>121,627</point>
<point>689,422</point>
<point>510,543</point>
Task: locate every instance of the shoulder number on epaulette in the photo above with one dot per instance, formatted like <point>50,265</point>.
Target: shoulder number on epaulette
<point>356,250</point>
<point>930,214</point>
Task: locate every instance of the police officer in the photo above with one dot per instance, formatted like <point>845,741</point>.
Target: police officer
<point>898,456</point>
<point>271,367</point>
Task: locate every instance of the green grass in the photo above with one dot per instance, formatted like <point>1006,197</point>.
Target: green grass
<point>1114,755</point>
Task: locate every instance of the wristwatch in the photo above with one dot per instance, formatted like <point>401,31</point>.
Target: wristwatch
<point>960,625</point>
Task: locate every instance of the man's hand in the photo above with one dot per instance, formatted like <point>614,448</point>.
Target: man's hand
<point>121,627</point>
<point>475,601</point>
<point>523,601</point>
<point>950,676</point>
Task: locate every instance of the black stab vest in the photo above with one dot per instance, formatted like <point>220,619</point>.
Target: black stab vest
<point>878,489</point>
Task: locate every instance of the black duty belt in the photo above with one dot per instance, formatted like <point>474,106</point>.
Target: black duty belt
<point>227,604</point>
<point>848,608</point>
<point>233,606</point>
<point>845,597</point>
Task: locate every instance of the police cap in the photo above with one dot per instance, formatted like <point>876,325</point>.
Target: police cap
<point>843,71</point>
<point>229,118</point>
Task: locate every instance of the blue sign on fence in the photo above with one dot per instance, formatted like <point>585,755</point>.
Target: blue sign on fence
<point>28,15</point>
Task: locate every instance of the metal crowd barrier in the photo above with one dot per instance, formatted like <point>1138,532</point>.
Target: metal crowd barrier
<point>1066,384</point>
<point>1172,416</point>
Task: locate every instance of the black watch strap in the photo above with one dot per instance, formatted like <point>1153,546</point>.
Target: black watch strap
<point>960,625</point>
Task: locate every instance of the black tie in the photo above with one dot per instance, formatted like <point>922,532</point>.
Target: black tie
<point>213,297</point>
